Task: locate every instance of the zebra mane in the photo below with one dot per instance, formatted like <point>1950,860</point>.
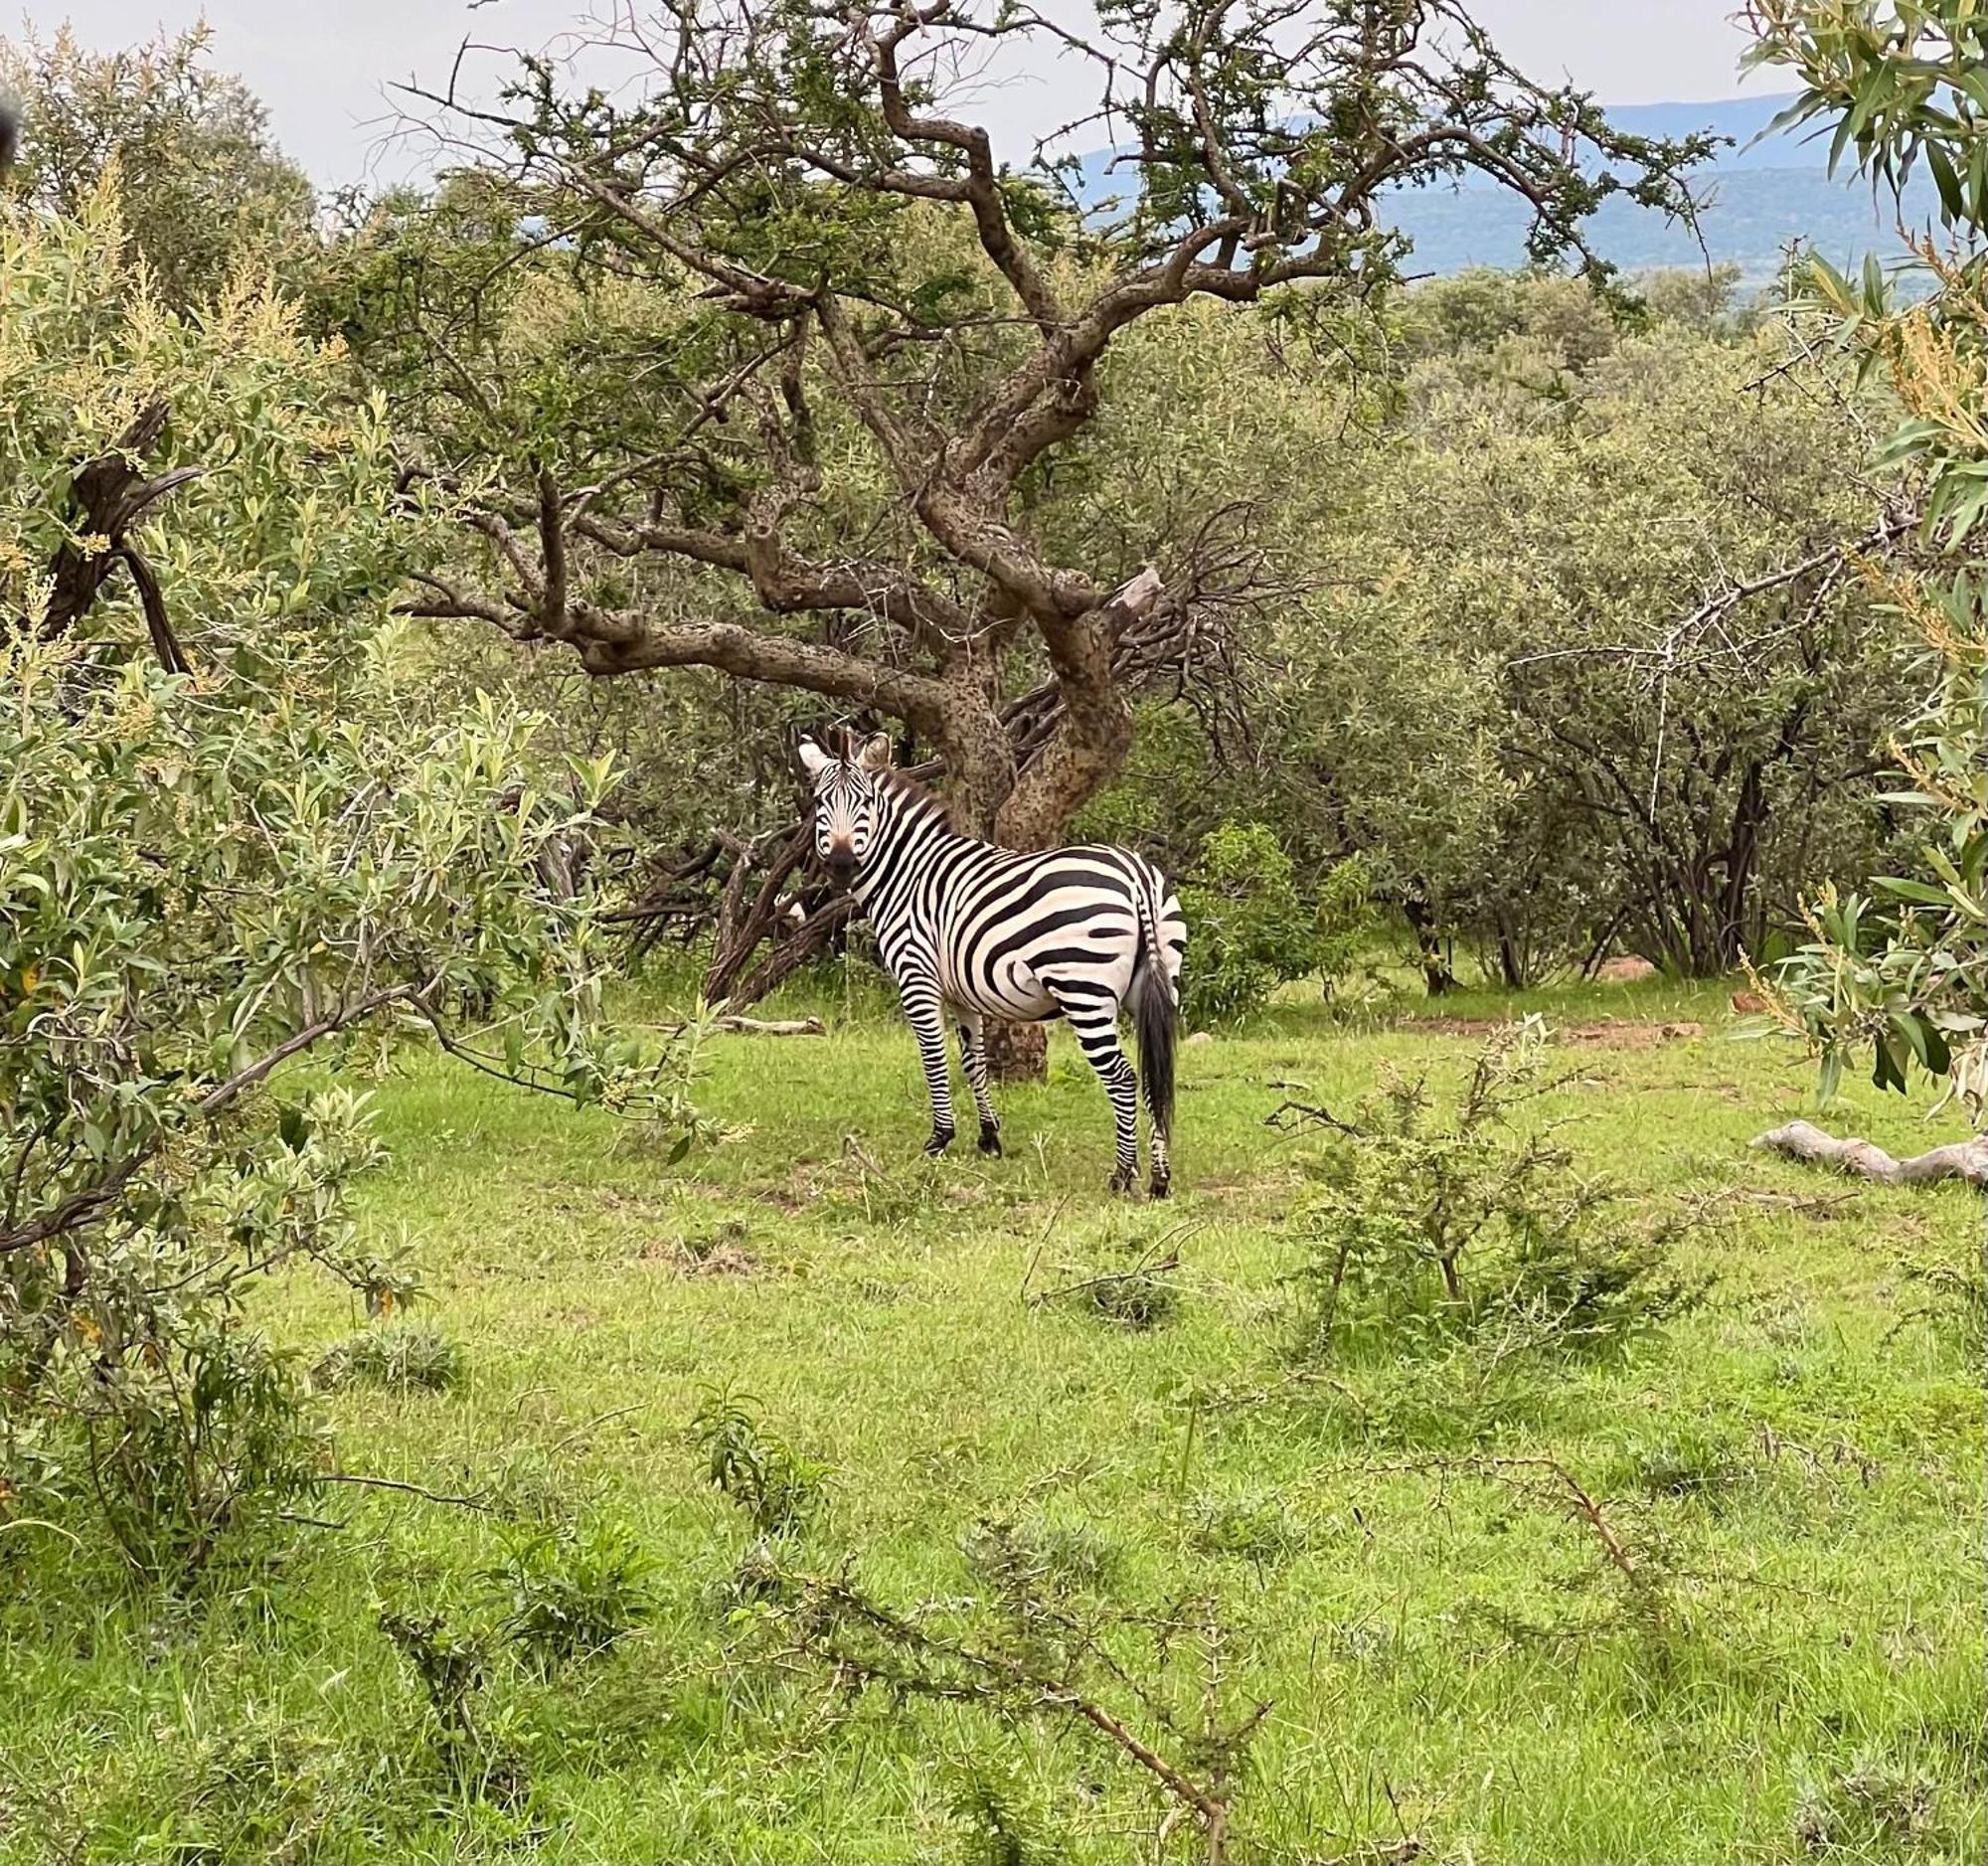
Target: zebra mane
<point>927,802</point>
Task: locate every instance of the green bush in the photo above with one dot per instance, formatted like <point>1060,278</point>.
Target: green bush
<point>573,1593</point>
<point>396,1355</point>
<point>777,1488</point>
<point>1431,1229</point>
<point>241,823</point>
<point>1251,928</point>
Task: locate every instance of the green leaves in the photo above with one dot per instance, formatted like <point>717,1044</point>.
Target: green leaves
<point>1906,81</point>
<point>209,880</point>
<point>1255,929</point>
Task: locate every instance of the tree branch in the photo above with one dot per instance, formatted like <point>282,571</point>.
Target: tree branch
<point>1962,1159</point>
<point>84,1208</point>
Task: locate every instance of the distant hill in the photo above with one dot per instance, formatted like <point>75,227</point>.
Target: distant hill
<point>1765,195</point>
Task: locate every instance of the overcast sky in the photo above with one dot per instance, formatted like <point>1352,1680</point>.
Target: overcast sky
<point>323,67</point>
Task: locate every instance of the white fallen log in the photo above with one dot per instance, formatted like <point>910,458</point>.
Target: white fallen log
<point>773,1027</point>
<point>1963,1159</point>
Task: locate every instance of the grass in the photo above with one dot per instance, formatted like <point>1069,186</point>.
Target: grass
<point>1451,1659</point>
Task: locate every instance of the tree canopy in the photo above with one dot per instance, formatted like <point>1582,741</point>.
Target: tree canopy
<point>240,825</point>
<point>864,340</point>
<point>1905,972</point>
<point>201,189</point>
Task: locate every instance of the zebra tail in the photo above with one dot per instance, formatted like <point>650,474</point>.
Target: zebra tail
<point>1155,1022</point>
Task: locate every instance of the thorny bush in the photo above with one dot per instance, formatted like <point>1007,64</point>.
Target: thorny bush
<point>1428,1226</point>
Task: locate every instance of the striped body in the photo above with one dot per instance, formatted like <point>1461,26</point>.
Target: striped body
<point>971,932</point>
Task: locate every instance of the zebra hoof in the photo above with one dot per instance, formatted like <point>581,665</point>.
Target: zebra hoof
<point>990,1140</point>
<point>1123,1179</point>
<point>941,1138</point>
<point>1161,1187</point>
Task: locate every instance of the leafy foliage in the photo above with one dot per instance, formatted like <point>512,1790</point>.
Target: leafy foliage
<point>1559,628</point>
<point>1428,1227</point>
<point>809,191</point>
<point>202,194</point>
<point>1255,929</point>
<point>1907,971</point>
<point>778,1488</point>
<point>573,1593</point>
<point>280,839</point>
<point>1607,668</point>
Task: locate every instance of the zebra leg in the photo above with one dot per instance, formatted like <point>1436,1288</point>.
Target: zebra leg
<point>921,1007</point>
<point>974,1058</point>
<point>1095,1022</point>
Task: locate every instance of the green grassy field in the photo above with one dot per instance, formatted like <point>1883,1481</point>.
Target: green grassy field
<point>1781,1657</point>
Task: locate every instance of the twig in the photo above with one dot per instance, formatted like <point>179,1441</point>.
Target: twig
<point>1819,1205</point>
<point>1133,1274</point>
<point>83,1208</point>
<point>412,1489</point>
<point>1042,1238</point>
<point>1584,1505</point>
<point>1292,1117</point>
<point>616,1412</point>
<point>1050,1694</point>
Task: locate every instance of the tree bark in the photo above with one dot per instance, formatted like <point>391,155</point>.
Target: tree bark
<point>1964,1159</point>
<point>108,497</point>
<point>1017,1052</point>
<point>1437,974</point>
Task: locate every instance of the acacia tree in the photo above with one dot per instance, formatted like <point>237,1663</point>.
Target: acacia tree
<point>763,360</point>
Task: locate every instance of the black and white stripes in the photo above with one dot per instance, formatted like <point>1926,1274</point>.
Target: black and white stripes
<point>971,932</point>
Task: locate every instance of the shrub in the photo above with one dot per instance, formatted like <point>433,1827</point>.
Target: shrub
<point>1000,1826</point>
<point>1345,919</point>
<point>261,1788</point>
<point>1020,1562</point>
<point>1688,1462</point>
<point>775,1487</point>
<point>452,1664</point>
<point>1428,1226</point>
<point>191,1438</point>
<point>1878,1809</point>
<point>573,1593</point>
<point>398,1355</point>
<point>1137,1299</point>
<point>1952,1299</point>
<point>240,821</point>
<point>1252,928</point>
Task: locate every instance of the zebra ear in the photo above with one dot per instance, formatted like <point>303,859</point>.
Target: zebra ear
<point>814,760</point>
<point>875,756</point>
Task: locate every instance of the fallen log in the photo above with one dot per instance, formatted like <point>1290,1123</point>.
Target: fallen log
<point>1963,1159</point>
<point>773,1027</point>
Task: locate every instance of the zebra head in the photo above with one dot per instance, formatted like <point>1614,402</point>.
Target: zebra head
<point>848,803</point>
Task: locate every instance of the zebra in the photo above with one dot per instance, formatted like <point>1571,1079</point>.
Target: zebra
<point>969,931</point>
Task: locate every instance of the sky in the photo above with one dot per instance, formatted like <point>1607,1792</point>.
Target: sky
<point>324,67</point>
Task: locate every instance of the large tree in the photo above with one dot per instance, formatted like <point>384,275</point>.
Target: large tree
<point>762,363</point>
